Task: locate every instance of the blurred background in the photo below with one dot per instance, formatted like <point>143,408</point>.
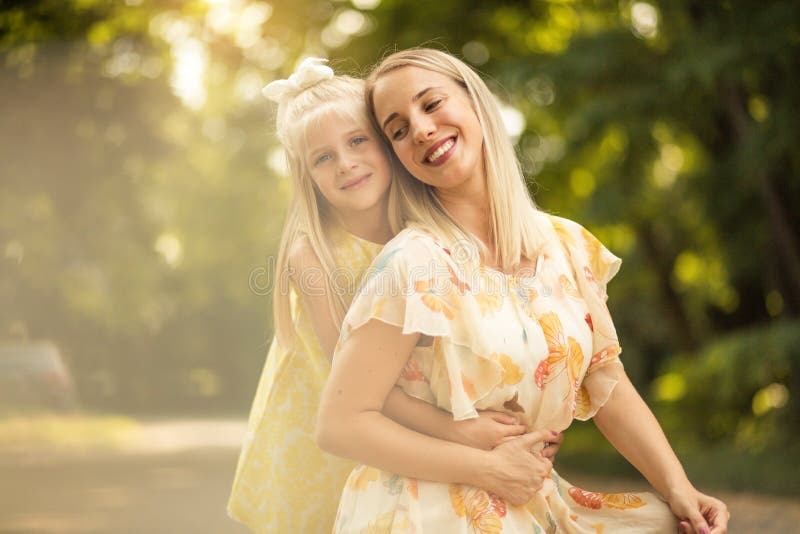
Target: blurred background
<point>142,195</point>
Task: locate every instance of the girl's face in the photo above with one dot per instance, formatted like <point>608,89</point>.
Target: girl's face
<point>347,162</point>
<point>432,126</point>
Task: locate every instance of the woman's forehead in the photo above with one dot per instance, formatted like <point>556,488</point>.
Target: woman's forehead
<point>404,85</point>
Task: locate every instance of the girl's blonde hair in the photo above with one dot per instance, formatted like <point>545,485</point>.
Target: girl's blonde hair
<point>514,220</point>
<point>309,214</point>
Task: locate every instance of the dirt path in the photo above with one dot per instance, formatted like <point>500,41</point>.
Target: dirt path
<point>175,476</point>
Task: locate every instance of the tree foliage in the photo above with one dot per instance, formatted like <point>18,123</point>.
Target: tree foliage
<point>142,195</point>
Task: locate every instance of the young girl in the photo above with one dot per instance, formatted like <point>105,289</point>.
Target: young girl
<point>338,220</point>
<point>499,306</point>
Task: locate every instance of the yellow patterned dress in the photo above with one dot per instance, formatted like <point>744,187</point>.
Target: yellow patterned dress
<point>284,483</point>
<point>540,344</point>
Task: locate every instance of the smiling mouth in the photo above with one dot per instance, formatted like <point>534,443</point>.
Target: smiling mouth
<point>440,153</point>
<point>355,182</point>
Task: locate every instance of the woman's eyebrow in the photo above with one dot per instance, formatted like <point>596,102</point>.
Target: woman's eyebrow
<point>416,97</point>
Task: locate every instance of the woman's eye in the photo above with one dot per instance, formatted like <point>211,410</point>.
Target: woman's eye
<point>399,133</point>
<point>430,106</point>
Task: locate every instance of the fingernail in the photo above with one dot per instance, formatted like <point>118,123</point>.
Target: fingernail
<point>703,530</point>
<point>554,432</point>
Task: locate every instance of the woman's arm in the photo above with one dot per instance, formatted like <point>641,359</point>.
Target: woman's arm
<point>485,432</point>
<point>633,430</point>
<point>350,424</point>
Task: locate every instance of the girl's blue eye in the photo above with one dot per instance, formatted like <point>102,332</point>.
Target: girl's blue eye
<point>359,139</point>
<point>322,158</point>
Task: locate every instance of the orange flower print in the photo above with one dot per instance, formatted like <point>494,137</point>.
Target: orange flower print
<point>595,501</point>
<point>587,499</point>
<point>565,354</point>
<point>412,486</point>
<point>511,373</point>
<point>588,320</point>
<point>568,287</point>
<point>432,300</point>
<point>469,389</point>
<point>595,250</point>
<point>590,277</point>
<point>562,232</point>
<point>490,299</point>
<point>462,286</point>
<point>484,511</point>
<point>361,477</point>
<point>583,403</point>
<point>607,354</point>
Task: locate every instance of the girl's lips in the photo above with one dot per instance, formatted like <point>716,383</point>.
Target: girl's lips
<point>356,182</point>
<point>436,151</point>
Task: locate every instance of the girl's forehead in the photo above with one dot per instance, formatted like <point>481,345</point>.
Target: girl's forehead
<point>330,127</point>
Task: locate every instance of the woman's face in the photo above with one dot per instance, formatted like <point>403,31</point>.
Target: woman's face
<point>347,162</point>
<point>432,126</point>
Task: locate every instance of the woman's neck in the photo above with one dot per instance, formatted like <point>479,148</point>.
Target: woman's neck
<point>468,204</point>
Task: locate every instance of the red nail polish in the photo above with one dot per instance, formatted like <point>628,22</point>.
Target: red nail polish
<point>554,432</point>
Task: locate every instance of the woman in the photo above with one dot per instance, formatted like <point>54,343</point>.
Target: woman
<point>338,221</point>
<point>517,323</point>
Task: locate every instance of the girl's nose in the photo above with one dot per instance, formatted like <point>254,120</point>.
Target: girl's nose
<point>346,165</point>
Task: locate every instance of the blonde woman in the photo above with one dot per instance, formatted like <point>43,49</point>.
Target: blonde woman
<point>498,306</point>
<point>338,221</point>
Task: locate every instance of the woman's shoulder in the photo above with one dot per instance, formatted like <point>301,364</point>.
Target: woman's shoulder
<point>572,233</point>
<point>416,241</point>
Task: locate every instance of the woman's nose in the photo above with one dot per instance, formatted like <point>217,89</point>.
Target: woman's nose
<point>424,128</point>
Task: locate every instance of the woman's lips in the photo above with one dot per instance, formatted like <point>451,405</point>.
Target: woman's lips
<point>440,152</point>
<point>356,182</point>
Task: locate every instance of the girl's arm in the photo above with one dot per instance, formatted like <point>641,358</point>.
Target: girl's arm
<point>351,424</point>
<point>633,430</point>
<point>487,431</point>
<point>309,279</point>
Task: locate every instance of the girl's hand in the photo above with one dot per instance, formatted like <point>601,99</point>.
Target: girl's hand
<point>515,473</point>
<point>486,431</point>
<point>699,513</point>
<point>552,445</point>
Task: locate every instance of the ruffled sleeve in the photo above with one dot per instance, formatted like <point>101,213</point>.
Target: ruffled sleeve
<point>415,285</point>
<point>593,266</point>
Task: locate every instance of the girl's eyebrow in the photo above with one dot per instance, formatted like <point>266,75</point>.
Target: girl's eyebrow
<point>416,97</point>
<point>321,148</point>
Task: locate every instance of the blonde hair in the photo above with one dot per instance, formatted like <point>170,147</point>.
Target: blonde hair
<point>514,220</point>
<point>309,214</point>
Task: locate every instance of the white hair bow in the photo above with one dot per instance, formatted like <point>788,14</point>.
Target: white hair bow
<point>310,72</point>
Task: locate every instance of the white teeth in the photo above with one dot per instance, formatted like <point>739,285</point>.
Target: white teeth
<point>441,150</point>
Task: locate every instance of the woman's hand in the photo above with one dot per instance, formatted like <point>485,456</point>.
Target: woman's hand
<point>699,513</point>
<point>486,431</point>
<point>515,473</point>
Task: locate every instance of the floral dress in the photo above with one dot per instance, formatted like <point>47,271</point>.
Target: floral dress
<point>284,482</point>
<point>540,344</point>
